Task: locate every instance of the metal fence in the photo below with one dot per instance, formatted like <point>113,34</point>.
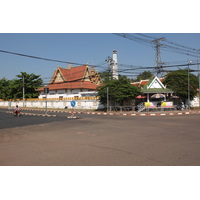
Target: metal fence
<point>132,109</point>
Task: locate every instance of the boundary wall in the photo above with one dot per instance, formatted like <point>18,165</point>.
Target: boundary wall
<point>81,103</point>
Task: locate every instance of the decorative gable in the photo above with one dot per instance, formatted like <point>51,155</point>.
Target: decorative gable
<point>94,76</point>
<point>156,83</point>
<point>57,77</point>
<point>86,76</point>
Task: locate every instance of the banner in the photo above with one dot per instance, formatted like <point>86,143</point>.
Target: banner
<point>150,104</point>
<point>167,104</point>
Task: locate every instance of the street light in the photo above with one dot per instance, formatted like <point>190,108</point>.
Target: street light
<point>107,98</point>
<point>199,77</point>
<point>199,84</point>
<point>46,90</point>
<point>190,62</point>
<point>23,92</point>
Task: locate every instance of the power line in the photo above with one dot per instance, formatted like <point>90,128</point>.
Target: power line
<point>47,59</point>
<point>167,44</point>
<point>134,38</point>
<point>182,46</point>
<point>147,36</point>
<point>173,43</point>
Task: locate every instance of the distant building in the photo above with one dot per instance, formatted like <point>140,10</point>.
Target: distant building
<point>154,95</point>
<point>155,86</point>
<point>156,90</point>
<point>72,82</point>
<point>142,83</point>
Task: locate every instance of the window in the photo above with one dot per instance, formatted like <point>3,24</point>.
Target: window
<point>61,91</point>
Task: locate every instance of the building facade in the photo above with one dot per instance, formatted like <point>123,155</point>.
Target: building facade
<point>73,82</point>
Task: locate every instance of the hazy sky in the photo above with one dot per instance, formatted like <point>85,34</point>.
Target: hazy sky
<point>83,48</point>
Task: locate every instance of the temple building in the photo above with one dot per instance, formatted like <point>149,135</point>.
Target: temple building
<point>75,82</point>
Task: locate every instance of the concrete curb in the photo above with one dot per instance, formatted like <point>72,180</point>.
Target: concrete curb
<point>33,114</point>
<point>121,114</point>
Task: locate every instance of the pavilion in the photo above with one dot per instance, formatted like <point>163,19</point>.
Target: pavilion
<point>155,89</point>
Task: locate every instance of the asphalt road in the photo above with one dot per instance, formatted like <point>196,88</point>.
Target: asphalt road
<point>97,140</point>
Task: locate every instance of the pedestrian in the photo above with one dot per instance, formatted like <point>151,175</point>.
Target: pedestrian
<point>182,106</point>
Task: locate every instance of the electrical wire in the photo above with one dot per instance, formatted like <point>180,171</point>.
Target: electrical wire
<point>169,46</point>
<point>47,59</point>
<point>134,38</point>
<point>180,49</point>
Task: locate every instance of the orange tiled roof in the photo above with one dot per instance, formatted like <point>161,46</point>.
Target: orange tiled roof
<point>73,78</point>
<point>75,73</point>
<point>144,82</point>
<point>71,85</point>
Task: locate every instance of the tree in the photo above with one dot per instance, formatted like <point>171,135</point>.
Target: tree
<point>178,82</point>
<point>105,76</point>
<point>4,89</point>
<point>120,91</point>
<point>144,75</point>
<point>30,82</point>
<point>13,89</point>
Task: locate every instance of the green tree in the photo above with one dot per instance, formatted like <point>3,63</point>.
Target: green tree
<point>105,76</point>
<point>120,91</point>
<point>4,89</point>
<point>178,82</point>
<point>30,82</point>
<point>13,89</point>
<point>144,75</point>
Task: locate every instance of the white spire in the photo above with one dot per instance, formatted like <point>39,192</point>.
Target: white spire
<point>114,65</point>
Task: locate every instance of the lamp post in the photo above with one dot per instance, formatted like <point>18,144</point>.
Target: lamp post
<point>23,92</point>
<point>107,99</point>
<point>199,84</point>
<point>199,77</point>
<point>46,90</point>
<point>189,85</point>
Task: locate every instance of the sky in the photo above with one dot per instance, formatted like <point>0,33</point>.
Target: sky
<point>86,48</point>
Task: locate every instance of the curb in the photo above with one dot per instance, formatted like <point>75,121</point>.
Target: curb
<point>33,114</point>
<point>121,114</point>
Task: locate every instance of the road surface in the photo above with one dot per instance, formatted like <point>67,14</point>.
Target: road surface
<point>97,140</point>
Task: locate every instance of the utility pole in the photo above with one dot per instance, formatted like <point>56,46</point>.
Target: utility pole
<point>107,99</point>
<point>23,92</point>
<point>189,85</point>
<point>109,60</point>
<point>199,84</point>
<point>158,56</point>
<point>112,65</point>
<point>199,77</point>
<point>46,90</point>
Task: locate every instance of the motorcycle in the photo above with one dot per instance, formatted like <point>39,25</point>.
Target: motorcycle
<point>17,113</point>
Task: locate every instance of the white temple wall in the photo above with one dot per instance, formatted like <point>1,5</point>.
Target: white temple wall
<point>80,104</point>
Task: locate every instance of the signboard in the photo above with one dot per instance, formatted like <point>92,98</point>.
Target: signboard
<point>150,104</point>
<point>167,104</point>
<point>73,103</point>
